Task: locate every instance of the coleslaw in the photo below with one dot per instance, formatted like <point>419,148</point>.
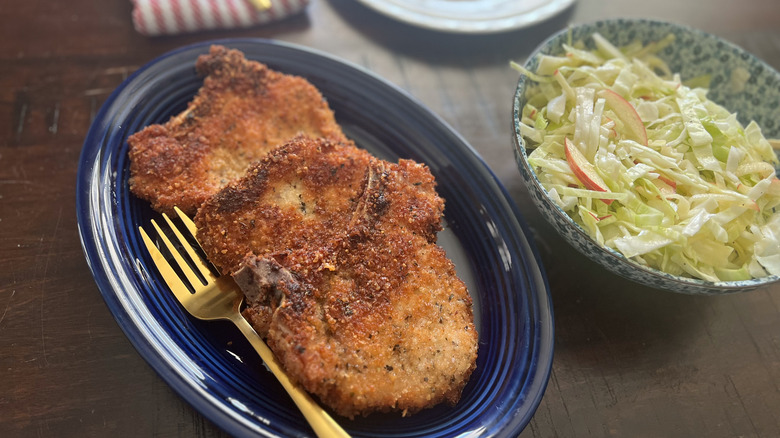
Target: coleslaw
<point>650,167</point>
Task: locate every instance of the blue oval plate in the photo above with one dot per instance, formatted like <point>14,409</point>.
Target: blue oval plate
<point>210,365</point>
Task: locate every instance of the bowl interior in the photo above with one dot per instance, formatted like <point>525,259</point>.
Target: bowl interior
<point>694,53</point>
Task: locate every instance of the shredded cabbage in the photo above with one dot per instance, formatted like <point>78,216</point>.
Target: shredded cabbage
<point>689,190</point>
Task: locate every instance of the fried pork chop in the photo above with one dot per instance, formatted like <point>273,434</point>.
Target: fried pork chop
<point>365,311</point>
<point>299,195</point>
<point>242,111</point>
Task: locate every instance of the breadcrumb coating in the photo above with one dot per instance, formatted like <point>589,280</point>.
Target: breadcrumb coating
<point>243,110</point>
<point>351,292</point>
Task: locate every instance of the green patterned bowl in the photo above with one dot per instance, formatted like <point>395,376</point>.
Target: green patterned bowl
<point>693,54</point>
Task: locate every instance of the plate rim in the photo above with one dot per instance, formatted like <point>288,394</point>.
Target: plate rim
<point>430,21</point>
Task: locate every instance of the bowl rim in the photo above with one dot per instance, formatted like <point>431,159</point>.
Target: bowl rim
<point>693,285</point>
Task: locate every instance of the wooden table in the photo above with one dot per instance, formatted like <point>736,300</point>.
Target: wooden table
<point>629,361</point>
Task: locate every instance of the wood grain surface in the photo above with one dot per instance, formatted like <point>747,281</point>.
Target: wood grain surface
<point>629,361</point>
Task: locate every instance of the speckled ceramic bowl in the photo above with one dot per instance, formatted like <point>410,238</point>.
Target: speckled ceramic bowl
<point>694,53</point>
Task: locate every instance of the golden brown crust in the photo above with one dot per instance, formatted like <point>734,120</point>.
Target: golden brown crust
<point>379,321</point>
<point>299,195</point>
<point>334,249</point>
<point>242,111</point>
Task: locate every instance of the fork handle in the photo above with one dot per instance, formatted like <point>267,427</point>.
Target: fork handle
<point>319,420</point>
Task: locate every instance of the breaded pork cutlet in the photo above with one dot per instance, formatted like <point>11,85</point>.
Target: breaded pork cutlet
<point>242,111</point>
<point>299,195</point>
<point>382,323</point>
<point>367,313</point>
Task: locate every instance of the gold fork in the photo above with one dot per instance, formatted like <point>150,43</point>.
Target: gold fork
<point>220,298</point>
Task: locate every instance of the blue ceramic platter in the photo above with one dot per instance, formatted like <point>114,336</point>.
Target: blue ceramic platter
<point>210,365</point>
<point>693,54</point>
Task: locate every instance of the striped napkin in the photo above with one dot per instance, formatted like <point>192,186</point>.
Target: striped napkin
<point>169,17</point>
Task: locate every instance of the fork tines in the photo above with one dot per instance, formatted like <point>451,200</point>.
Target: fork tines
<point>177,266</point>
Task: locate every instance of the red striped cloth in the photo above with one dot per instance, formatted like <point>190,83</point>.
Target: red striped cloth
<point>168,17</point>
